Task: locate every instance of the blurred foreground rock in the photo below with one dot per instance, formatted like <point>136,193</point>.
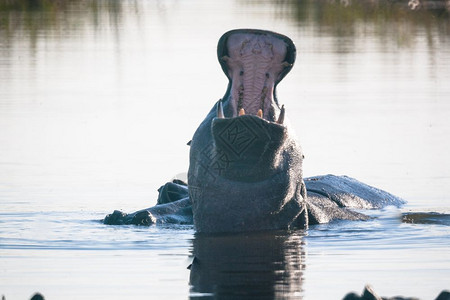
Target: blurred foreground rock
<point>369,294</point>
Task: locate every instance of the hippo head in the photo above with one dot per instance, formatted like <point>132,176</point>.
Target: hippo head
<point>245,168</point>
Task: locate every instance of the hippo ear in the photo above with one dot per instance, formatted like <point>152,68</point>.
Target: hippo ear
<point>291,53</point>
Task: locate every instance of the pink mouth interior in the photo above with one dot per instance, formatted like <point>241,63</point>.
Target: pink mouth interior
<point>255,62</point>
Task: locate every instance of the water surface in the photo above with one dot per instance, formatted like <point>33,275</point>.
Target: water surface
<point>98,100</point>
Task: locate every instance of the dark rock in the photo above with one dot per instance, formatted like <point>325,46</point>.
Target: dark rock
<point>37,296</point>
<point>444,295</point>
<point>369,294</point>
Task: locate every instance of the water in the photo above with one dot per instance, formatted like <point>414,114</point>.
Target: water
<point>98,100</point>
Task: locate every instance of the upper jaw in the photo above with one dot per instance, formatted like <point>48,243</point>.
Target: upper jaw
<point>254,61</point>
<point>223,50</point>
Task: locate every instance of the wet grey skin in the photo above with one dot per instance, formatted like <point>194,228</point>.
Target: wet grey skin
<point>245,171</point>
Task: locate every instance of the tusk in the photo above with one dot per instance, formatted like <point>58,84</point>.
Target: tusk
<point>281,116</point>
<point>220,114</point>
<point>260,113</point>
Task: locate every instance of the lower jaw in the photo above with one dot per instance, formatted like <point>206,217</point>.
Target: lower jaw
<point>247,148</point>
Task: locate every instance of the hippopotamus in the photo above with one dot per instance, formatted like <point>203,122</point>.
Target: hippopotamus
<point>245,163</point>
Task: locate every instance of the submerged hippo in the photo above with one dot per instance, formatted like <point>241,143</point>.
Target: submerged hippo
<point>245,171</point>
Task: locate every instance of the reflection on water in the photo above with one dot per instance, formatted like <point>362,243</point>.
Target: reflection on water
<point>55,17</point>
<point>398,20</point>
<point>385,19</point>
<point>249,266</point>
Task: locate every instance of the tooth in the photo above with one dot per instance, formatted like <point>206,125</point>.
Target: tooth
<point>241,112</point>
<point>281,116</point>
<point>259,113</point>
<point>220,114</point>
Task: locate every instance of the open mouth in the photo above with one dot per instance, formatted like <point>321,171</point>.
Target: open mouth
<point>249,130</point>
<point>254,61</point>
